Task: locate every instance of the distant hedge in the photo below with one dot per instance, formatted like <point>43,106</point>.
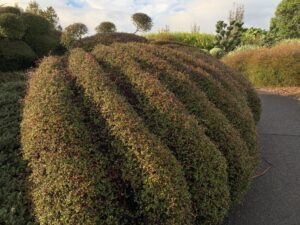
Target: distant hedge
<point>198,40</point>
<point>277,66</point>
<point>88,43</point>
<point>15,55</point>
<point>136,133</point>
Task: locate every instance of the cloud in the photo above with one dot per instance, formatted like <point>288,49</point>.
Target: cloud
<point>180,15</point>
<point>75,3</point>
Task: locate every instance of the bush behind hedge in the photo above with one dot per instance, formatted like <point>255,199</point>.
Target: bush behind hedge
<point>11,26</point>
<point>277,66</point>
<point>15,55</point>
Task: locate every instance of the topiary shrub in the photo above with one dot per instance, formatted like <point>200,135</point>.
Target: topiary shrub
<point>269,67</point>
<point>89,43</point>
<point>11,26</point>
<point>217,52</point>
<point>170,135</point>
<point>15,55</point>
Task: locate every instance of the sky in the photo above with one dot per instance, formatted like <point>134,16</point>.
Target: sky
<point>179,15</point>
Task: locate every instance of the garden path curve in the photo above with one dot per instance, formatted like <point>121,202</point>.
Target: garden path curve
<point>274,198</point>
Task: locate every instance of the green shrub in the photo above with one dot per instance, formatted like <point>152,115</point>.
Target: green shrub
<point>35,24</point>
<point>278,66</point>
<point>153,172</point>
<point>9,9</point>
<point>199,40</point>
<point>217,52</point>
<point>43,44</point>
<point>15,55</point>
<point>89,43</point>
<point>11,26</point>
<point>70,183</point>
<point>14,204</point>
<point>203,164</point>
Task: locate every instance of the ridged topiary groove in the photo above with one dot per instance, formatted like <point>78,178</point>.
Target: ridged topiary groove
<point>217,126</point>
<point>69,178</point>
<point>235,110</point>
<point>156,176</point>
<point>203,163</point>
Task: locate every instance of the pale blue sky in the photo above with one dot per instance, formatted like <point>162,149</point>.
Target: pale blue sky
<point>179,15</point>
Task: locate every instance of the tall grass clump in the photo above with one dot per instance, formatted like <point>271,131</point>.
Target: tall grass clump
<point>277,66</point>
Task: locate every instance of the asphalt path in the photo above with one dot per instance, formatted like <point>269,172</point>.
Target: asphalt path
<point>274,198</point>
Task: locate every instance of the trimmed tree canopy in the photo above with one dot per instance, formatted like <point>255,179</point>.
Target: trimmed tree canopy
<point>142,22</point>
<point>106,27</point>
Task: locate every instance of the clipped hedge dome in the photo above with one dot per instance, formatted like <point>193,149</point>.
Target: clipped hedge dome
<point>15,55</point>
<point>11,26</point>
<point>89,43</point>
<point>137,133</point>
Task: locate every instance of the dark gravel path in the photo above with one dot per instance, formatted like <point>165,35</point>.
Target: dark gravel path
<point>274,198</point>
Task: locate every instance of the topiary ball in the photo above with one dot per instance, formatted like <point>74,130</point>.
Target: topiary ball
<point>217,52</point>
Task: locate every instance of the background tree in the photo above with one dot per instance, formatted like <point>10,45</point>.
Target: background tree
<point>237,12</point>
<point>229,36</point>
<point>50,15</point>
<point>286,22</point>
<point>254,36</point>
<point>142,21</point>
<point>106,27</point>
<point>33,7</point>
<point>73,33</point>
